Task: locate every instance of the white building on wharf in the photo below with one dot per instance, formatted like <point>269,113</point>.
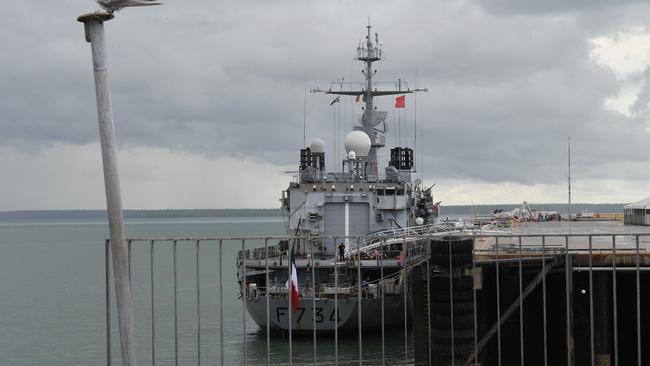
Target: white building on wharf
<point>638,213</point>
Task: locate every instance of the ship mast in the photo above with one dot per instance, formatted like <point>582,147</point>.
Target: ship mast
<point>368,53</point>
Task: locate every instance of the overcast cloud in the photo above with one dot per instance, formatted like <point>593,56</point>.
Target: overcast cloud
<point>213,92</point>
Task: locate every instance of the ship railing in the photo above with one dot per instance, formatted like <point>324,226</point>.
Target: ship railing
<point>576,299</point>
<point>416,234</point>
<point>429,229</point>
<point>327,290</point>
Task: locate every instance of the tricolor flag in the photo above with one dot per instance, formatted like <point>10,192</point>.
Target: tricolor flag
<point>400,102</point>
<point>336,100</point>
<point>295,296</point>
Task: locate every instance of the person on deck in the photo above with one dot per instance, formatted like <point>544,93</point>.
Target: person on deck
<point>341,248</point>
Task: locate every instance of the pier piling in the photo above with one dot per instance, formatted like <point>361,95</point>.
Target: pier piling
<point>603,318</point>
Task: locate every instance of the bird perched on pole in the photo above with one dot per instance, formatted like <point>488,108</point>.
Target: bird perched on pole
<point>114,5</point>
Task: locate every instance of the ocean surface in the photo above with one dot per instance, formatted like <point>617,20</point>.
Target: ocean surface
<point>52,306</point>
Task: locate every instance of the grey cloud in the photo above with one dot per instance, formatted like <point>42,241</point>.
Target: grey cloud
<point>506,87</point>
<point>536,7</point>
<point>640,109</point>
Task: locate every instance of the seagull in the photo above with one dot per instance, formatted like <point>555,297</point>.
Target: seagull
<point>114,5</point>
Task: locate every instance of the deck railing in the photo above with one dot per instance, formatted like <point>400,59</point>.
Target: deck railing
<point>559,299</point>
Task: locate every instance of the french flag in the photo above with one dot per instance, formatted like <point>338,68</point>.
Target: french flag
<point>295,296</point>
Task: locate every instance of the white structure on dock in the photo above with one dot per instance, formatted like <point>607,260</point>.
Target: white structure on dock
<point>638,213</point>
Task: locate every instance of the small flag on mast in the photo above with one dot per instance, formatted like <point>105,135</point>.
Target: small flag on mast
<point>295,295</point>
<point>357,98</point>
<point>400,102</point>
<point>336,100</point>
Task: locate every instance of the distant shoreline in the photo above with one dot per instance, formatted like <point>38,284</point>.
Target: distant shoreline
<point>139,214</point>
<point>276,212</point>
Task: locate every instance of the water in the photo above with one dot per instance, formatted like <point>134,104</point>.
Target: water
<point>52,307</point>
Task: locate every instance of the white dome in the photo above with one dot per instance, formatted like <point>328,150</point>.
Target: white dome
<point>419,221</point>
<point>358,142</point>
<point>317,146</point>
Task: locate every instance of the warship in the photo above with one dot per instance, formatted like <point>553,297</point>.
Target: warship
<point>353,232</point>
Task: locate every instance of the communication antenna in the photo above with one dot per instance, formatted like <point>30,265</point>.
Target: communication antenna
<point>415,121</point>
<point>569,155</point>
<point>304,116</point>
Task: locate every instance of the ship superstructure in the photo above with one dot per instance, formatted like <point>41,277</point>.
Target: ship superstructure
<point>360,199</point>
<point>353,208</point>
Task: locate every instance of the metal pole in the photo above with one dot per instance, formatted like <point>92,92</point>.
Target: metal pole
<point>429,303</point>
<point>175,279</point>
<point>244,298</point>
<point>359,290</point>
<point>544,301</point>
<point>521,307</point>
<point>474,298</point>
<point>153,308</point>
<point>404,273</point>
<point>451,301</point>
<point>107,268</point>
<point>268,303</point>
<point>221,358</point>
<point>591,303</point>
<point>128,244</point>
<point>498,303</point>
<point>336,306</point>
<point>290,310</point>
<point>570,179</point>
<point>94,30</point>
<point>313,300</point>
<point>383,287</point>
<point>638,305</point>
<point>198,305</point>
<point>615,300</point>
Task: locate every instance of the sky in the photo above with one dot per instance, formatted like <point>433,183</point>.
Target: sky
<point>209,98</point>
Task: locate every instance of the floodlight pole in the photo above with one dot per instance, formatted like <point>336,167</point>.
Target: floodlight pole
<point>94,30</point>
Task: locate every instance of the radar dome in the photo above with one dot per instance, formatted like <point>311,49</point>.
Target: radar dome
<point>317,146</point>
<point>358,142</point>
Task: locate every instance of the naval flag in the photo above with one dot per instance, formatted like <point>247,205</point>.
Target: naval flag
<point>400,102</point>
<point>295,296</point>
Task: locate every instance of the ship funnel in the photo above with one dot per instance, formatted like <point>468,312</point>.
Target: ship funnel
<point>357,141</point>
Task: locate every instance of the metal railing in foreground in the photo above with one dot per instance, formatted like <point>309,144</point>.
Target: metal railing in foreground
<point>559,299</point>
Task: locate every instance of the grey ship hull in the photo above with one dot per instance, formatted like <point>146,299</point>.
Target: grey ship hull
<point>303,318</point>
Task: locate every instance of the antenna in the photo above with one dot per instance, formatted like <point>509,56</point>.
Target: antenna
<point>304,116</point>
<point>415,121</point>
<point>569,178</point>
